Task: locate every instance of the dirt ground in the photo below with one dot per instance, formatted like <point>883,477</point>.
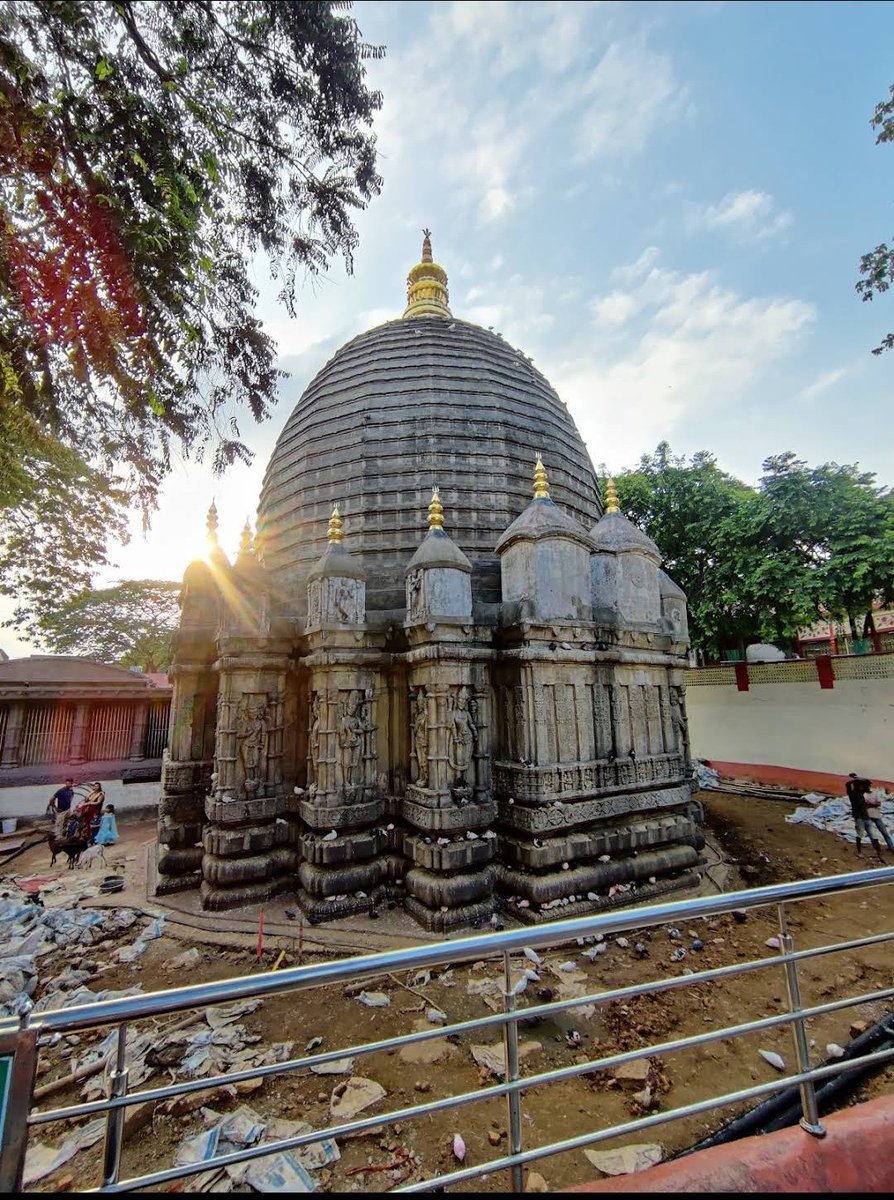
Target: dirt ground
<point>750,844</point>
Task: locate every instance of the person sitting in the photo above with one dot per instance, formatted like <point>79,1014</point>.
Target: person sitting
<point>90,811</point>
<point>107,834</point>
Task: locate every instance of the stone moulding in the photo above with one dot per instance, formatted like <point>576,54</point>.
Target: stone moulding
<point>541,785</point>
<point>541,889</point>
<point>583,908</point>
<point>584,812</point>
<point>467,816</point>
<point>325,882</point>
<point>613,839</point>
<point>342,816</point>
<point>235,812</point>
<point>435,891</point>
<point>456,856</point>
<point>444,919</point>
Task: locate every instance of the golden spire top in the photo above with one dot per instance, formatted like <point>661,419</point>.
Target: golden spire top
<point>436,511</point>
<point>245,541</point>
<point>427,294</point>
<point>611,497</point>
<point>335,528</point>
<point>211,524</point>
<point>541,482</point>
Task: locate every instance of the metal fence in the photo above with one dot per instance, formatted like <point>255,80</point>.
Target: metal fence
<point>502,946</point>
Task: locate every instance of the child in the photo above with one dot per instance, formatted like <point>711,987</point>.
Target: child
<point>108,828</point>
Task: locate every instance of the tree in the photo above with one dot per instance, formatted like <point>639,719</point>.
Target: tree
<point>761,563</point>
<point>148,151</point>
<point>877,267</point>
<point>131,624</point>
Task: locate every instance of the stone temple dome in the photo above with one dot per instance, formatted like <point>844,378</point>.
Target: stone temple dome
<point>424,401</point>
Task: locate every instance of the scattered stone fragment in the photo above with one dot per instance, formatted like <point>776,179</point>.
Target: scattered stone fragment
<point>627,1159</point>
<point>354,1096</point>
<point>185,961</point>
<point>774,1059</point>
<point>622,942</point>
<point>493,1136</point>
<point>632,1074</point>
<point>536,1183</point>
<point>374,999</point>
<point>459,1147</point>
<point>857,1028</point>
<point>773,942</point>
<point>833,1050</point>
<point>336,1066</point>
<point>435,1016</point>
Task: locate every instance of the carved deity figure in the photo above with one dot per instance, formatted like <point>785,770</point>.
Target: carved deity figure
<point>680,723</point>
<point>414,594</point>
<point>420,737</point>
<point>314,736</point>
<point>252,730</point>
<point>462,735</point>
<point>343,603</point>
<point>353,726</point>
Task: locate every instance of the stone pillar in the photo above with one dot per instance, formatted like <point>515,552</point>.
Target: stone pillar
<point>139,723</point>
<point>246,852</point>
<point>77,747</point>
<point>185,778</point>
<point>12,737</point>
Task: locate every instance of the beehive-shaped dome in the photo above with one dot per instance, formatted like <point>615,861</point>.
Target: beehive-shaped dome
<point>425,401</point>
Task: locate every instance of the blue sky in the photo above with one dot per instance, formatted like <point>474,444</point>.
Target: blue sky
<point>664,204</point>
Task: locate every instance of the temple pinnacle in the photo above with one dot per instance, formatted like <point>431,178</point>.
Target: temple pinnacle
<point>245,541</point>
<point>611,497</point>
<point>427,294</point>
<point>541,482</point>
<point>211,524</point>
<point>436,511</point>
<point>335,534</point>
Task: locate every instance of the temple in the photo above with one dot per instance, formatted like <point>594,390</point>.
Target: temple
<point>438,674</point>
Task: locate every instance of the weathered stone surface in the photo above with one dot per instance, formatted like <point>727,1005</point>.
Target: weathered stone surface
<point>456,856</point>
<point>178,861</point>
<point>552,817</point>
<point>246,839</point>
<point>234,812</point>
<point>581,908</point>
<point>597,876</point>
<point>433,919</point>
<point>332,881</point>
<point>343,816</point>
<point>613,839</point>
<point>446,820</point>
<point>451,890</point>
<point>349,847</point>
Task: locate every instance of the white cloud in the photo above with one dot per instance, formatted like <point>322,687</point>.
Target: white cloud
<point>695,346</point>
<point>750,214</point>
<point>822,383</point>
<point>632,91</point>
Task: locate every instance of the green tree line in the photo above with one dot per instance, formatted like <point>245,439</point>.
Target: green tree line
<point>760,563</point>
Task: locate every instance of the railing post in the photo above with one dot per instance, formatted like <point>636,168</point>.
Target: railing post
<point>510,1050</point>
<point>111,1152</point>
<point>810,1120</point>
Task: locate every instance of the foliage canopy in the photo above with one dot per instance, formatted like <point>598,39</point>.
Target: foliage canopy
<point>877,267</point>
<point>148,153</point>
<point>131,624</point>
<point>761,563</point>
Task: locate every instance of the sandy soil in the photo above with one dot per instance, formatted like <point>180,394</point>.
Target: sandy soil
<point>752,844</point>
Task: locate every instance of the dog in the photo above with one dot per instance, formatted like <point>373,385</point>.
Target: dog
<point>73,848</point>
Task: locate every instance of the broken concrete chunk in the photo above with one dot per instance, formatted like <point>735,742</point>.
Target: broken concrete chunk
<point>374,999</point>
<point>353,1097</point>
<point>627,1159</point>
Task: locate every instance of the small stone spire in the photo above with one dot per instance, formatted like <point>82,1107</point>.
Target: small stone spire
<point>211,525</point>
<point>335,522</point>
<point>611,497</point>
<point>246,541</point>
<point>436,511</point>
<point>541,482</point>
<point>427,293</point>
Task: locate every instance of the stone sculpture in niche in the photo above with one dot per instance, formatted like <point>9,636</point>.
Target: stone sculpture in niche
<point>420,737</point>
<point>353,726</point>
<point>252,730</point>
<point>313,613</point>
<point>345,604</point>
<point>414,594</point>
<point>314,736</point>
<point>681,724</point>
<point>462,736</point>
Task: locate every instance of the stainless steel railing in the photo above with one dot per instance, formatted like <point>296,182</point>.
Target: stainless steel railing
<point>123,1011</point>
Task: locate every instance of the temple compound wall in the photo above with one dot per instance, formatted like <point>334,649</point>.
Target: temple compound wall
<point>529,756</point>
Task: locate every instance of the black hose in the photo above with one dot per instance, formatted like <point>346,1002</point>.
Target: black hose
<point>784,1109</point>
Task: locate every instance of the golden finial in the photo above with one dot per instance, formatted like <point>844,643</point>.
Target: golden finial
<point>427,294</point>
<point>245,542</point>
<point>211,524</point>
<point>436,511</point>
<point>335,528</point>
<point>611,497</point>
<point>541,483</point>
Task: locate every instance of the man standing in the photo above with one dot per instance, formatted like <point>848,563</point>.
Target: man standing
<point>858,789</point>
<point>61,804</point>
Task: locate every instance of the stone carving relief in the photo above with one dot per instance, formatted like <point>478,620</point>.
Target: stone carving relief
<point>354,727</point>
<point>344,602</point>
<point>680,723</point>
<point>415,607</point>
<point>313,740</point>
<point>462,737</point>
<point>419,731</point>
<point>313,603</point>
<point>252,732</point>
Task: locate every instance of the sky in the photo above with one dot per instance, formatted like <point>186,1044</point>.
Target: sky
<point>663,204</point>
